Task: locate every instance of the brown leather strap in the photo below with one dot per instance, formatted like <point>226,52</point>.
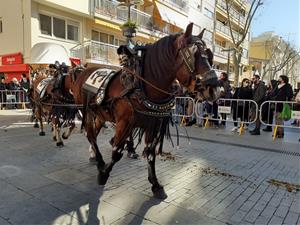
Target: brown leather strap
<point>147,82</point>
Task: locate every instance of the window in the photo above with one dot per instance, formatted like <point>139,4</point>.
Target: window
<point>1,30</point>
<point>73,30</point>
<point>103,37</point>
<point>59,28</point>
<point>95,35</point>
<point>208,13</point>
<point>45,23</point>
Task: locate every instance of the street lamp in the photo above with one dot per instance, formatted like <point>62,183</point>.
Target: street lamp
<point>129,28</point>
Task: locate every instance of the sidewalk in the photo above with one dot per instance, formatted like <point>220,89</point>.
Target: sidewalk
<point>16,112</point>
<point>263,141</point>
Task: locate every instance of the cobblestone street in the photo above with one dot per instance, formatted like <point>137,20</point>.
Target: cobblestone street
<point>206,183</point>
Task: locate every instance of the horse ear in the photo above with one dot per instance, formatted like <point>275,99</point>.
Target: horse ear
<point>201,33</point>
<point>188,30</point>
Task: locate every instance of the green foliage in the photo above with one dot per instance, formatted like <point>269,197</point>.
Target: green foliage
<point>129,24</point>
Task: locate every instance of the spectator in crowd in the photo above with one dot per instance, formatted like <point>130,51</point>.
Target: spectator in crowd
<point>268,109</point>
<point>259,91</point>
<point>225,93</point>
<point>3,88</point>
<point>24,82</point>
<point>283,92</point>
<point>241,108</point>
<point>15,86</point>
<point>24,85</point>
<point>297,106</point>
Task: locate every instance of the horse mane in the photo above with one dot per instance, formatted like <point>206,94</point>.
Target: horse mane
<point>160,58</point>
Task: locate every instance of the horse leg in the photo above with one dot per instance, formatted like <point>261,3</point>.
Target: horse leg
<point>91,134</point>
<point>40,119</point>
<point>54,132</point>
<point>130,148</point>
<point>67,134</point>
<point>157,188</point>
<point>56,129</point>
<point>118,146</point>
<point>98,125</point>
<point>59,142</point>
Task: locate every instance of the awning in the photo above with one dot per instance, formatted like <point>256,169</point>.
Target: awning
<point>170,16</point>
<point>107,24</point>
<point>14,68</point>
<point>48,53</point>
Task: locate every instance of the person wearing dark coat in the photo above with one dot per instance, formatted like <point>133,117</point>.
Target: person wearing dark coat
<point>268,109</point>
<point>259,92</point>
<point>3,88</point>
<point>225,93</point>
<point>283,92</point>
<point>240,109</point>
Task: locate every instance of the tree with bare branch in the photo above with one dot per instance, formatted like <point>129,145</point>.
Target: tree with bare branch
<point>238,40</point>
<point>282,57</point>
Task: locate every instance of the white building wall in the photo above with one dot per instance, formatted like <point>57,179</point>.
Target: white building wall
<point>196,15</point>
<point>80,7</point>
<point>37,36</point>
<point>11,38</point>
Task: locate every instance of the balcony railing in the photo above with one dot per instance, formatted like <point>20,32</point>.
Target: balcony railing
<point>98,52</point>
<point>218,50</point>
<point>235,14</point>
<point>225,29</point>
<point>181,4</point>
<point>111,10</point>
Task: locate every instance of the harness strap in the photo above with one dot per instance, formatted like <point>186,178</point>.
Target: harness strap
<point>147,82</point>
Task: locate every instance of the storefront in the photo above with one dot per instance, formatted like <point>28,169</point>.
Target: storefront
<point>12,66</point>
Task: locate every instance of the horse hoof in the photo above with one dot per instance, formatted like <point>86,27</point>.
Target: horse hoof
<point>42,133</point>
<point>132,155</point>
<point>102,178</point>
<point>64,136</point>
<point>60,144</point>
<point>93,160</point>
<point>54,138</point>
<point>36,125</point>
<point>159,193</point>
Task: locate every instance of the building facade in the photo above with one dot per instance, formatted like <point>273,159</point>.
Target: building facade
<point>271,56</point>
<point>223,40</point>
<point>90,29</point>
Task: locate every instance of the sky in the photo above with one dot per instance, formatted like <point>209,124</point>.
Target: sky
<point>280,16</point>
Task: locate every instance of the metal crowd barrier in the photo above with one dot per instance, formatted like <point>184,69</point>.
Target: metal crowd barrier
<point>268,110</point>
<point>12,99</point>
<point>183,109</point>
<point>241,111</point>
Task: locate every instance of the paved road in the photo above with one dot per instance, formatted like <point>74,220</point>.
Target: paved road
<point>207,183</point>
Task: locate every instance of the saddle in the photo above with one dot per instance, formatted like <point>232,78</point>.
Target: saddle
<point>42,86</point>
<point>96,83</point>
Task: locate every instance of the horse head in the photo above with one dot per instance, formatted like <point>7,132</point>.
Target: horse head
<point>195,61</point>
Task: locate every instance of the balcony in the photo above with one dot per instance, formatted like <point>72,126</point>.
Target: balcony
<point>96,52</point>
<point>225,30</point>
<point>180,4</point>
<point>110,10</point>
<point>235,14</point>
<point>218,50</point>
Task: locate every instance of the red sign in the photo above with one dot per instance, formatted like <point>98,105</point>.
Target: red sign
<point>12,59</point>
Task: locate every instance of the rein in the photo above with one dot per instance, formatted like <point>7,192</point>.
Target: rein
<point>147,82</point>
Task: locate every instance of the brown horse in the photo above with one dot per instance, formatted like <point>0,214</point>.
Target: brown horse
<point>53,108</point>
<point>181,56</point>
